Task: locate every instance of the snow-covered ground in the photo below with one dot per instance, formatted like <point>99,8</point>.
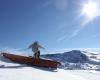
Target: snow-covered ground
<point>29,73</point>
<point>13,71</point>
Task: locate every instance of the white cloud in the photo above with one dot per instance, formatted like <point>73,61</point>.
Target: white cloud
<point>67,37</point>
<point>62,38</point>
<point>47,3</point>
<point>60,4</point>
<point>75,33</point>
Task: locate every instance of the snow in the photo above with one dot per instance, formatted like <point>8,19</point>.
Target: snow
<point>89,70</point>
<point>29,73</point>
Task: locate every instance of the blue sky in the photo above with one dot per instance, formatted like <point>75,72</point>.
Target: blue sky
<point>56,24</point>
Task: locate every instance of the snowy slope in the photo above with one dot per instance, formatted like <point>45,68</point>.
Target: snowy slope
<point>12,71</point>
<point>29,73</point>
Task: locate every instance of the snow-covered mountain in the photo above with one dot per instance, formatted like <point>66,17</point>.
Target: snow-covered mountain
<point>74,56</point>
<point>76,59</point>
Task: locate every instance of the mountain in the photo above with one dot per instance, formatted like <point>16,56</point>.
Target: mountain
<point>76,59</point>
<point>74,56</point>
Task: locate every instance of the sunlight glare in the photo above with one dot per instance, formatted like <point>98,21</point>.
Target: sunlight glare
<point>90,10</point>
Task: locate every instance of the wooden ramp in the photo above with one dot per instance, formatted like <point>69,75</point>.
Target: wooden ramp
<point>32,61</point>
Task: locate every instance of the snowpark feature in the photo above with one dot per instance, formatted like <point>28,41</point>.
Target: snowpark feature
<point>39,62</point>
<point>12,71</point>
